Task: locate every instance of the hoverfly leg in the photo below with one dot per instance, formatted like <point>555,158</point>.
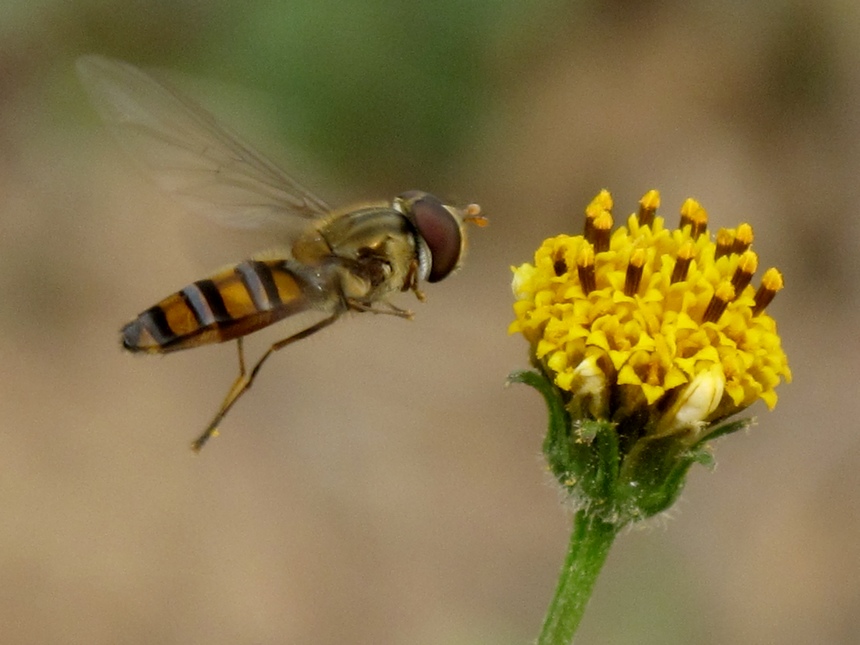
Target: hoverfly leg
<point>390,310</point>
<point>418,293</point>
<point>245,379</point>
<point>394,310</point>
<point>411,281</point>
<point>239,385</point>
<point>241,347</point>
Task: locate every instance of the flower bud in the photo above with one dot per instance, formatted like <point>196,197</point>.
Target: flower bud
<point>589,390</point>
<point>695,404</point>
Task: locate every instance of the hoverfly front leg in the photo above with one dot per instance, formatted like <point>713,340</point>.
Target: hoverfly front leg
<point>411,281</point>
<point>245,379</point>
<point>390,309</point>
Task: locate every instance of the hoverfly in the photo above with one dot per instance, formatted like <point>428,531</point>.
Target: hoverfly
<point>331,262</point>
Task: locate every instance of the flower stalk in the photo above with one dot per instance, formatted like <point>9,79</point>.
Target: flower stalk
<point>589,545</point>
<point>645,342</point>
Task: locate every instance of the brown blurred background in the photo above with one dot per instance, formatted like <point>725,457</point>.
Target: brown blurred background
<point>380,485</point>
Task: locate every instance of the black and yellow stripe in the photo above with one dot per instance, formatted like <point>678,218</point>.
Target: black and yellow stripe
<point>230,304</point>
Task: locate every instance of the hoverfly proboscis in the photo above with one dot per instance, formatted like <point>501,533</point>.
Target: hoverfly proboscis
<point>330,262</point>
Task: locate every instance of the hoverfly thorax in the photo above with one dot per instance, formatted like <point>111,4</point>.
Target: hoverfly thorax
<point>375,250</point>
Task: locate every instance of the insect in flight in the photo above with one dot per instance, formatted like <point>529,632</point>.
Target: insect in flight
<point>330,262</point>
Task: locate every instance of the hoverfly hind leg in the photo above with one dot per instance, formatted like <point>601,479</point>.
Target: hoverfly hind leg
<point>239,386</point>
<point>245,379</point>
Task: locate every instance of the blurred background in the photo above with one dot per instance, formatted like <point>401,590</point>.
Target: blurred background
<point>380,484</point>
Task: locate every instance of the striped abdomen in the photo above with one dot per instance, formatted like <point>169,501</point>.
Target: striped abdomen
<point>230,304</point>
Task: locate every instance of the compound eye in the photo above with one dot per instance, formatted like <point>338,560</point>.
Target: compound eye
<point>440,230</point>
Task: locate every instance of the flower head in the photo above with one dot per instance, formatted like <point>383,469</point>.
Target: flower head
<point>645,340</point>
<point>652,326</point>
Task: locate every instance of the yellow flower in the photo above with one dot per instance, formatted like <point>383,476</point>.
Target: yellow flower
<point>646,323</point>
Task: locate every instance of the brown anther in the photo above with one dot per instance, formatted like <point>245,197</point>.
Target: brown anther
<point>585,269</point>
<point>723,295</point>
<point>648,206</point>
<point>725,240</point>
<point>747,265</point>
<point>559,265</point>
<point>743,238</point>
<point>771,282</point>
<point>682,262</point>
<point>601,232</point>
<point>634,272</point>
<point>588,229</point>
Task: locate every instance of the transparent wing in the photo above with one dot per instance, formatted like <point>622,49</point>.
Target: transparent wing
<point>191,155</point>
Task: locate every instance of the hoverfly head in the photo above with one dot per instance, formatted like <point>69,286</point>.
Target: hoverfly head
<point>440,229</point>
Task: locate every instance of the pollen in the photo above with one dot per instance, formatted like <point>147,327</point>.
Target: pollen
<point>632,322</point>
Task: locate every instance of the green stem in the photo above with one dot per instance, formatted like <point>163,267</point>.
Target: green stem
<point>589,545</point>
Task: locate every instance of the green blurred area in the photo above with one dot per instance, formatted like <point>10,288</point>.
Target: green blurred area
<point>392,92</point>
<point>377,90</point>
